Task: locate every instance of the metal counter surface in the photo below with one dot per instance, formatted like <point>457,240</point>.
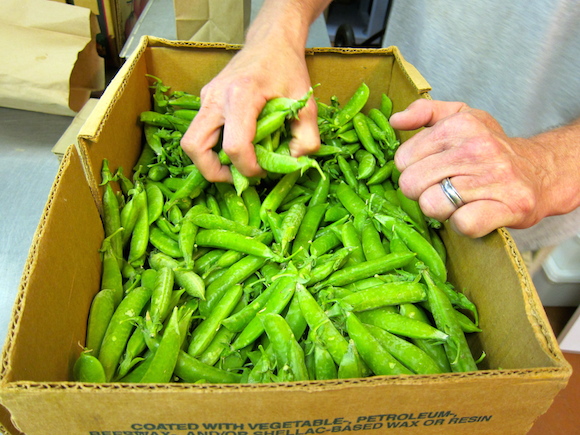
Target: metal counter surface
<point>27,171</point>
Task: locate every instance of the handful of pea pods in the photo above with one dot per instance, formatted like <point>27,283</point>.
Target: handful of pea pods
<point>321,270</point>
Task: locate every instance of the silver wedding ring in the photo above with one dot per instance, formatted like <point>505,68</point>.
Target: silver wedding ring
<point>451,193</point>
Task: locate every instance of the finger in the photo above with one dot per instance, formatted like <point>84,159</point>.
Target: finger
<point>425,113</point>
<point>306,136</point>
<point>239,130</point>
<point>435,204</point>
<point>198,142</point>
<point>428,169</point>
<point>479,218</point>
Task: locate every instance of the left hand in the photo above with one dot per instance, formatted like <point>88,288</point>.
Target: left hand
<point>500,179</point>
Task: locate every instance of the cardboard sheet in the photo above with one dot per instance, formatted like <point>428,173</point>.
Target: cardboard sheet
<point>49,59</point>
<point>212,20</point>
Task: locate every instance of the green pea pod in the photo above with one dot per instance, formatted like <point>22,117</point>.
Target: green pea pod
<point>158,172</point>
<point>253,204</point>
<point>186,241</point>
<point>111,276</point>
<point>438,244</point>
<point>284,164</point>
<point>235,204</point>
<point>351,365</point>
<point>225,239</point>
<point>395,293</point>
<point>207,260</point>
<point>324,329</point>
<point>367,164</point>
<point>349,136</point>
<point>189,280</point>
<point>203,334</point>
<point>277,194</point>
<point>191,370</point>
<point>170,230</point>
<point>88,368</point>
<point>372,352</point>
<point>350,239</point>
<point>279,299</point>
<point>327,265</point>
<point>214,222</point>
<point>218,347</point>
<point>324,365</point>
<point>434,349</point>
<point>402,325</point>
<point>186,101</point>
<point>164,243</point>
<point>146,158</point>
<point>111,213</point>
<point>335,212</point>
<point>382,173</point>
<point>289,354</point>
<point>238,321</point>
<point>383,123</point>
<point>370,268</point>
<point>186,114</point>
<point>102,309</point>
<point>377,133</point>
<point>140,235</point>
<point>285,104</point>
<point>350,199</point>
<point>366,138</point>
<point>269,123</point>
<point>241,182</point>
<point>456,347</point>
<point>163,362</point>
<point>155,201</point>
<point>238,273</point>
<point>407,353</point>
<point>416,243</point>
<point>320,194</point>
<point>386,106</point>
<point>353,106</point>
<point>164,120</point>
<point>371,243</point>
<point>230,257</point>
<point>411,207</point>
<point>161,296</point>
<point>347,172</point>
<point>307,230</point>
<point>290,225</point>
<point>120,328</point>
<point>194,185</point>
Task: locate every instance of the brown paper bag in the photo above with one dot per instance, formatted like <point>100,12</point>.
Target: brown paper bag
<point>212,20</point>
<point>49,62</point>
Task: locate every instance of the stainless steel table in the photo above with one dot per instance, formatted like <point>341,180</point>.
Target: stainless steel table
<point>27,171</point>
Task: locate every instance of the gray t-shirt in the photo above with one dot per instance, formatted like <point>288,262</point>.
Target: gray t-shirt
<point>519,60</point>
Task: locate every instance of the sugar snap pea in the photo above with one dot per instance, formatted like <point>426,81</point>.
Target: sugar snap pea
<point>319,270</point>
<point>120,328</point>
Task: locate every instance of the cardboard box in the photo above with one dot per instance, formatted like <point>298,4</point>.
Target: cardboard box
<point>523,371</point>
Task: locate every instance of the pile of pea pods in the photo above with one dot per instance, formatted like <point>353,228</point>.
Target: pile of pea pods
<point>320,270</point>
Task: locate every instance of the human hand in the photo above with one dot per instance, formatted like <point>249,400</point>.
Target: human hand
<point>500,179</point>
<point>234,99</point>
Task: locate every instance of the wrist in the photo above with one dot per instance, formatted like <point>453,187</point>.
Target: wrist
<point>284,24</point>
<point>558,158</point>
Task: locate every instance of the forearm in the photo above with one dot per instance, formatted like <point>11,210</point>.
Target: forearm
<point>286,21</point>
<point>560,168</point>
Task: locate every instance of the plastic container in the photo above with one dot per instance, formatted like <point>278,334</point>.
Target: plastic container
<point>558,281</point>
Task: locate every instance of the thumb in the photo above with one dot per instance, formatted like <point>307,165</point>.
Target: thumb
<point>425,113</point>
